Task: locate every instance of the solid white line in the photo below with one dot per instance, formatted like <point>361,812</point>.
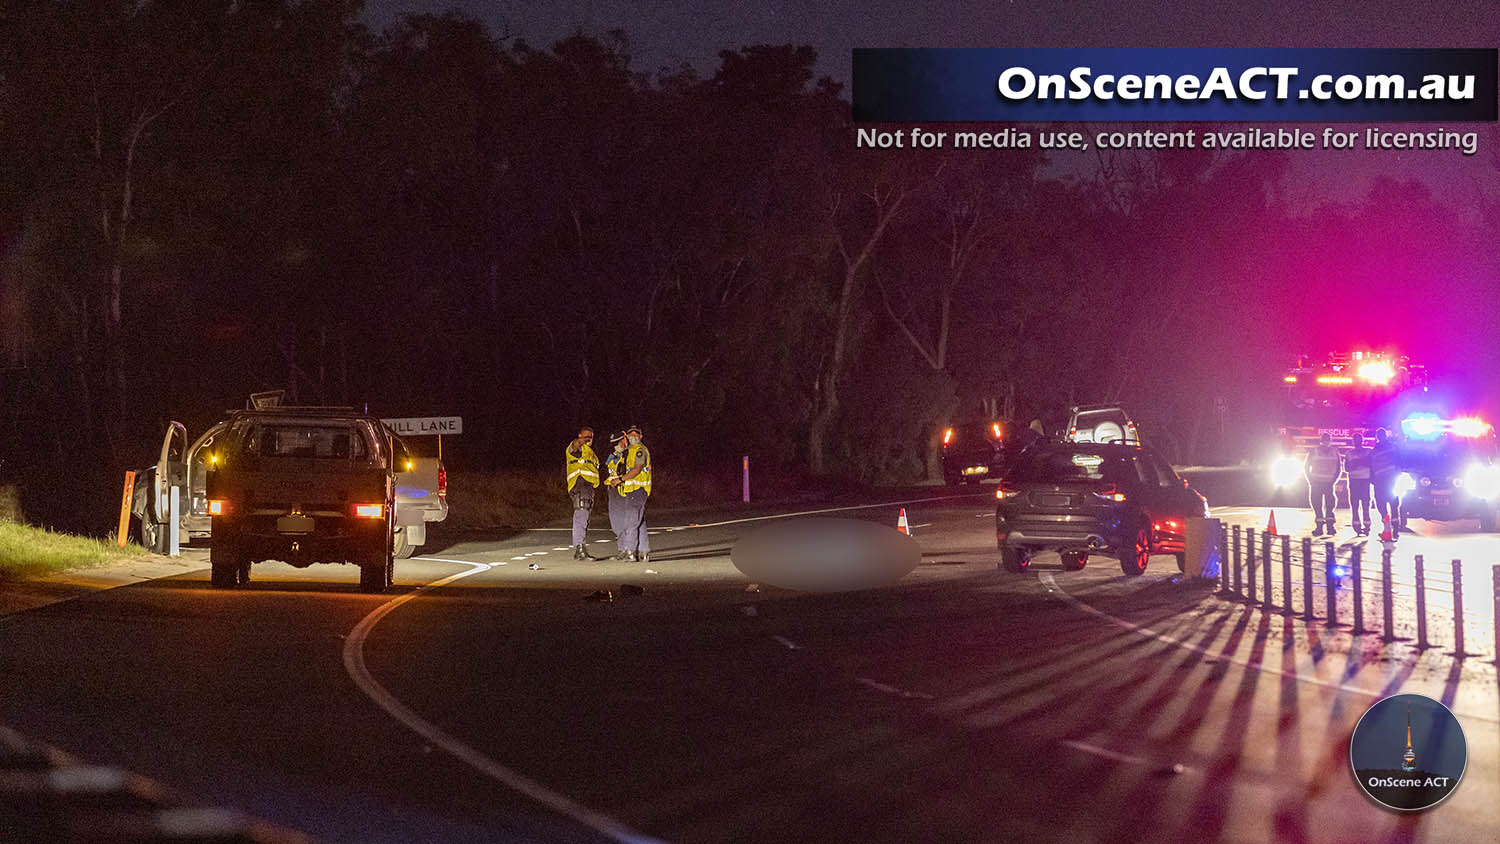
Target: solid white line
<point>354,663</point>
<point>1141,630</point>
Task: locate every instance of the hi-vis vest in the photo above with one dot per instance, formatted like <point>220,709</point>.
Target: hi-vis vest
<point>585,466</point>
<point>1323,463</point>
<point>638,456</point>
<point>615,464</point>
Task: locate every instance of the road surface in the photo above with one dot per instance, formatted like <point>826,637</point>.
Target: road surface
<point>964,704</point>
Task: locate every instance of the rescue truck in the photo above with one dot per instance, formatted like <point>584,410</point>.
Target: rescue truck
<point>1344,394</point>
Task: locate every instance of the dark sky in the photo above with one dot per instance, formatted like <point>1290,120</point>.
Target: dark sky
<point>670,32</point>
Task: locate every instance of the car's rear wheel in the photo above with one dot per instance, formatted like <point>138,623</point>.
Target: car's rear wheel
<point>150,532</point>
<point>1074,560</point>
<point>1135,557</point>
<point>1015,559</point>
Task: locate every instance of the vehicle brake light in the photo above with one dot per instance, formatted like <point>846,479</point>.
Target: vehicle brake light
<point>999,432</point>
<point>218,507</point>
<point>1290,379</point>
<point>1005,492</point>
<point>1335,379</point>
<point>369,511</point>
<point>948,436</point>
<point>442,481</point>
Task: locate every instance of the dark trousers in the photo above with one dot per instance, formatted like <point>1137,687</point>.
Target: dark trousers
<point>1387,505</point>
<point>1359,502</point>
<point>1320,494</point>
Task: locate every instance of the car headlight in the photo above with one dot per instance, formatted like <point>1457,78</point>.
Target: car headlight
<point>1285,470</point>
<point>1482,480</point>
<point>1404,484</point>
<point>1426,481</point>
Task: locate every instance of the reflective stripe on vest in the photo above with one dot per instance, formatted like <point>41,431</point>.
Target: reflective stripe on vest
<point>1358,464</point>
<point>638,456</point>
<point>1323,463</point>
<point>615,465</point>
<point>585,465</point>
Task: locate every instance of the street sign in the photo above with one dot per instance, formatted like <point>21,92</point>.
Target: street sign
<point>426,426</point>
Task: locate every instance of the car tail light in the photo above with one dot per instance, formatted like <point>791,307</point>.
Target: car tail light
<point>369,511</point>
<point>1110,494</point>
<point>997,430</point>
<point>442,481</point>
<point>948,436</point>
<point>218,507</point>
<point>1005,492</point>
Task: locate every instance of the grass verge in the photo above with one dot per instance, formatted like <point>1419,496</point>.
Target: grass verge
<point>27,551</point>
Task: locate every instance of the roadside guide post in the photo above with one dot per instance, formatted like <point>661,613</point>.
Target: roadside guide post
<point>1387,600</point>
<point>1421,606</point>
<point>1265,562</point>
<point>1458,608</point>
<point>175,496</point>
<point>123,535</point>
<point>1286,576</point>
<point>1332,591</point>
<point>1307,579</point>
<point>1235,581</point>
<point>1224,562</point>
<point>746,472</point>
<point>1250,564</point>
<point>1356,576</point>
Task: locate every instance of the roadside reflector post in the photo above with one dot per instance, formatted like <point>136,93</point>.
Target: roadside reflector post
<point>123,535</point>
<point>1236,579</point>
<point>1458,608</point>
<point>1265,562</point>
<point>175,497</point>
<point>1387,600</point>
<point>1331,562</point>
<point>745,462</point>
<point>1224,562</point>
<point>1307,579</point>
<point>1421,606</point>
<point>1495,576</point>
<point>1286,576</point>
<point>1356,576</point>
<point>1250,564</point>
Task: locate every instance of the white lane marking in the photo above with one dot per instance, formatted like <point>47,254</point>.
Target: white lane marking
<point>539,553</point>
<point>521,557</point>
<point>460,562</point>
<point>790,645</point>
<point>559,549</point>
<point>891,690</point>
<point>914,527</point>
<point>354,663</point>
<point>827,510</point>
<point>1141,630</point>
<point>1105,752</point>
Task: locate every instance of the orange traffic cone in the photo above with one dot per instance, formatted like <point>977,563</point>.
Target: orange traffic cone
<point>901,524</point>
<point>1271,524</point>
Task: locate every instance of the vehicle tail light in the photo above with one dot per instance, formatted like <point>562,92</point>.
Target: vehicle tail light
<point>998,431</point>
<point>948,436</point>
<point>218,507</point>
<point>1110,494</point>
<point>1005,492</point>
<point>369,511</point>
<point>442,481</point>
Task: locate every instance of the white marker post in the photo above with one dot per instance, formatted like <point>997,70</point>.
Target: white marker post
<point>174,549</point>
<point>747,478</point>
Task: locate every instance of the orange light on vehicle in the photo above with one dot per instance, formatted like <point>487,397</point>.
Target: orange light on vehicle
<point>1290,379</point>
<point>999,432</point>
<point>369,511</point>
<point>1335,379</point>
<point>218,506</point>
<point>1005,492</point>
<point>1469,426</point>
<point>948,436</point>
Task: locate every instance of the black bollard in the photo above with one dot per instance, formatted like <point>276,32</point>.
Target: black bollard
<point>1458,608</point>
<point>1250,564</point>
<point>1265,562</point>
<point>1307,579</point>
<point>1356,577</point>
<point>1387,600</point>
<point>1333,586</point>
<point>1223,560</point>
<point>1236,579</point>
<point>1421,606</point>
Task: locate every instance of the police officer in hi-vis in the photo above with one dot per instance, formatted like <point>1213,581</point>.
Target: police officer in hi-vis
<point>583,479</point>
<point>635,484</point>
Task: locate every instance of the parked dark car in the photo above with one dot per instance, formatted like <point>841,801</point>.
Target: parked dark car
<point>977,451</point>
<point>1085,498</point>
<point>1449,477</point>
<point>303,486</point>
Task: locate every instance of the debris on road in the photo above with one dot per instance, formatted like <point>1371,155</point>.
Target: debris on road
<point>754,587</point>
<point>534,567</point>
<point>651,571</point>
<point>601,595</point>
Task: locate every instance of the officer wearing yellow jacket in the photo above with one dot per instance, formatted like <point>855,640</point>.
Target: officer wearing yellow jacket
<point>635,485</point>
<point>582,480</point>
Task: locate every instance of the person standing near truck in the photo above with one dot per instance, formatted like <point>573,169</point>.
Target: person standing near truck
<point>635,484</point>
<point>1385,467</point>
<point>1357,464</point>
<point>614,467</point>
<point>1322,469</point>
<point>583,479</point>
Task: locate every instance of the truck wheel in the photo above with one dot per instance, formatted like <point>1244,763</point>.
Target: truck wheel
<point>1137,555</point>
<point>224,565</point>
<point>1015,559</point>
<point>403,550</point>
<point>151,533</point>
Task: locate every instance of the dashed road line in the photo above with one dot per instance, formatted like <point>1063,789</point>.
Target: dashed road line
<point>893,691</point>
<point>354,663</point>
<point>790,645</point>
